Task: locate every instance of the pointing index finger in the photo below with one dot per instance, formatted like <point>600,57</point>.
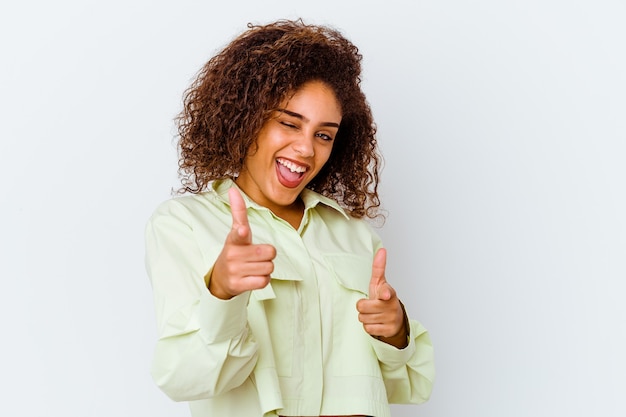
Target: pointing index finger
<point>378,272</point>
<point>239,213</point>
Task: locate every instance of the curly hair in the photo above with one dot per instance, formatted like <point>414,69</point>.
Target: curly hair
<point>235,92</point>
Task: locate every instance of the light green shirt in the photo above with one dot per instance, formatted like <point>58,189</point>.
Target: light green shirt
<point>295,347</point>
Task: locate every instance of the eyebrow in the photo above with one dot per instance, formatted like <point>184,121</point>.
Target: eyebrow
<point>301,117</point>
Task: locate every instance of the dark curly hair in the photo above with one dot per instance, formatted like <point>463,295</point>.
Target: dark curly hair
<point>236,91</point>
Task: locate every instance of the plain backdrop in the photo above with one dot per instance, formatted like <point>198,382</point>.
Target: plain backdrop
<point>503,126</point>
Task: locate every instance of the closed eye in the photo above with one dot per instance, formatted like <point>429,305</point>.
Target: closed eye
<point>288,124</point>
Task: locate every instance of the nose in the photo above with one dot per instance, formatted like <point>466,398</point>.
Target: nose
<point>303,145</point>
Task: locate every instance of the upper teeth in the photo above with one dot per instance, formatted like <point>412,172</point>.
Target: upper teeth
<point>292,167</point>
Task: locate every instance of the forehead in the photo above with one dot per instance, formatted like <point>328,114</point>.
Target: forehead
<point>314,98</point>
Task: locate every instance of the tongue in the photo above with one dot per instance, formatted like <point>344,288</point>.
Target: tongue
<point>287,178</point>
<point>287,174</point>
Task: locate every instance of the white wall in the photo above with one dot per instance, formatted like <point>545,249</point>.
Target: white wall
<point>503,127</point>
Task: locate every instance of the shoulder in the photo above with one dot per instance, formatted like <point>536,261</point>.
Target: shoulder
<point>211,200</point>
<point>191,209</point>
<point>184,206</point>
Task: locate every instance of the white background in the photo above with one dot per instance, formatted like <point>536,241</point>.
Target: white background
<point>503,125</point>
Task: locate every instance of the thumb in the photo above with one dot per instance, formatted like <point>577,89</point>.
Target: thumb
<point>378,289</point>
<point>240,233</point>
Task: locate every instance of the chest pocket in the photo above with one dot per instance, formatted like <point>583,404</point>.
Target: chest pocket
<point>280,301</point>
<point>353,354</point>
<point>352,272</point>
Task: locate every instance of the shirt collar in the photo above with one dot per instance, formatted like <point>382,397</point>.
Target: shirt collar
<point>309,197</point>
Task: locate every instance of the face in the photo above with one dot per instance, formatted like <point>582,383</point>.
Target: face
<point>292,147</point>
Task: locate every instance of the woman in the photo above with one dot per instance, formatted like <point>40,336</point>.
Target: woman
<point>269,285</point>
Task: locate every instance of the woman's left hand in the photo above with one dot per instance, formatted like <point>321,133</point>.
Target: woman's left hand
<point>381,314</point>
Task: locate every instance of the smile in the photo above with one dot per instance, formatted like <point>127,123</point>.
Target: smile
<point>289,173</point>
<point>291,166</point>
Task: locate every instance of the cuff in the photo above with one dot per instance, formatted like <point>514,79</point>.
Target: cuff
<point>222,319</point>
<point>392,356</point>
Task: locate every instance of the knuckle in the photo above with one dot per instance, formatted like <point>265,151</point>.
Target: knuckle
<point>229,253</point>
<point>232,269</point>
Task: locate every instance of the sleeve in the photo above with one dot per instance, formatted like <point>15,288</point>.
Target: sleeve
<point>204,345</point>
<point>408,373</point>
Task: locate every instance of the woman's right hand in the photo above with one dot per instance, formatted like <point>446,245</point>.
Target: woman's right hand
<point>241,266</point>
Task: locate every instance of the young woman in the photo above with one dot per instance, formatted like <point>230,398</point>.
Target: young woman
<point>269,285</point>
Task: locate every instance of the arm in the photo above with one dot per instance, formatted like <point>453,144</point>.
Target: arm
<point>402,346</point>
<point>204,345</point>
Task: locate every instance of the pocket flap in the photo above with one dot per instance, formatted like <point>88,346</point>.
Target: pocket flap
<point>351,271</point>
<point>266,293</point>
<point>284,270</point>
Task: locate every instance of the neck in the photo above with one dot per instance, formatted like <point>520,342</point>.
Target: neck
<point>292,214</point>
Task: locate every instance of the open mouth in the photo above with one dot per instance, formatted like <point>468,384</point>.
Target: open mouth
<point>289,173</point>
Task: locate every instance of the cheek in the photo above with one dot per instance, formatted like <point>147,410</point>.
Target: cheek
<point>328,151</point>
<point>323,155</point>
